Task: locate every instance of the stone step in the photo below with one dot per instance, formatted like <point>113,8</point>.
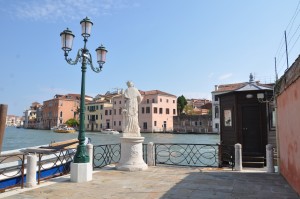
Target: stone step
<point>253,164</point>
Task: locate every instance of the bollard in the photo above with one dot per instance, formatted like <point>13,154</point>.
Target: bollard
<point>31,168</point>
<point>270,156</point>
<point>3,113</point>
<point>238,157</point>
<point>150,154</point>
<point>89,148</point>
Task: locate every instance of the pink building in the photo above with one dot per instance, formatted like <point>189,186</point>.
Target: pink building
<point>288,106</point>
<point>156,112</point>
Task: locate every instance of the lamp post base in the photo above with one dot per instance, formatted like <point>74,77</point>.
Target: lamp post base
<point>81,155</point>
<point>81,172</point>
<point>132,154</point>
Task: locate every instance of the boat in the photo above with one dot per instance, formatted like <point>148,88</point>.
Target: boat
<point>110,131</point>
<point>64,129</point>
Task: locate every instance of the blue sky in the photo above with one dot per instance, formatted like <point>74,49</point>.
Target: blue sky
<point>179,47</point>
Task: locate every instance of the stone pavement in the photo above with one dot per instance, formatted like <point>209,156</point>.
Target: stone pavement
<point>163,182</point>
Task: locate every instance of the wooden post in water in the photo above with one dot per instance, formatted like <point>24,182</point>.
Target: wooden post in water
<point>3,112</point>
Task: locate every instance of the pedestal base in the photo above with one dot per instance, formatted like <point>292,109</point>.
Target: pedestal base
<point>132,154</point>
<point>81,172</point>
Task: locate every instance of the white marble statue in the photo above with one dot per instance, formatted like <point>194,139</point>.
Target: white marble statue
<point>132,99</point>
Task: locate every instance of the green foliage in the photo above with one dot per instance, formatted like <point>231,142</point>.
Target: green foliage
<point>188,110</point>
<point>72,122</point>
<point>181,102</point>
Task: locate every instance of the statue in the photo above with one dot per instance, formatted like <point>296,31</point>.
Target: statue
<point>132,99</point>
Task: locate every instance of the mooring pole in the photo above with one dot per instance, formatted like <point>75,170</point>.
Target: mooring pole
<point>3,112</point>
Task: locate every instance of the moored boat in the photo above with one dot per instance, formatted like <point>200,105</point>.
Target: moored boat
<point>109,131</point>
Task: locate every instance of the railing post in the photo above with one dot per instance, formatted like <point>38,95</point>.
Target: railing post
<point>150,154</point>
<point>31,168</point>
<point>3,113</point>
<point>238,157</point>
<point>270,156</point>
<point>89,148</point>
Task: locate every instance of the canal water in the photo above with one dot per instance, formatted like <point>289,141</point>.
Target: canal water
<point>17,138</point>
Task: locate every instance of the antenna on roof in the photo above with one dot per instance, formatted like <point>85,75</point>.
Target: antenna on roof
<point>276,74</point>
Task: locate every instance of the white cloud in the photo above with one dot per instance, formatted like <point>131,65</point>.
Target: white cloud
<point>53,10</point>
<point>225,76</point>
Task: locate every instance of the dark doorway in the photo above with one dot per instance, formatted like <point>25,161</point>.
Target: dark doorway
<point>251,130</point>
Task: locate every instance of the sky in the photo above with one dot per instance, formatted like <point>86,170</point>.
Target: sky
<point>179,47</point>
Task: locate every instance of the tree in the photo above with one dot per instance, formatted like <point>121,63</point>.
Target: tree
<point>72,122</point>
<point>188,110</point>
<point>181,102</point>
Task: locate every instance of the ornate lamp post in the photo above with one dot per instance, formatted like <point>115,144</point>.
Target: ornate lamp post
<point>83,56</point>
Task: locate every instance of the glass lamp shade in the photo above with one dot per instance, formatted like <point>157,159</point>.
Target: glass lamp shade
<point>86,27</point>
<point>67,38</point>
<point>101,54</point>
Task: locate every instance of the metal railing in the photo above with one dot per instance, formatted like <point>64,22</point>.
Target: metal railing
<point>54,163</point>
<point>200,155</point>
<point>12,171</point>
<point>106,154</point>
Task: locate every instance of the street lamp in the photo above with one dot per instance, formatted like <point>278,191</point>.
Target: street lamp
<point>85,58</point>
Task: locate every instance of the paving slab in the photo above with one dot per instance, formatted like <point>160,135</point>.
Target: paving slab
<point>163,182</point>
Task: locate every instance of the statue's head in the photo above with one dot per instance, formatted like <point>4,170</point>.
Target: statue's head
<point>129,84</point>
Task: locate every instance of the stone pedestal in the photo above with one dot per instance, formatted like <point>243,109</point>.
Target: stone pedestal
<point>81,172</point>
<point>132,154</point>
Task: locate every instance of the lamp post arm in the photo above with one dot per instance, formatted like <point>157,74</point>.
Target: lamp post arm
<point>90,62</point>
<point>77,59</point>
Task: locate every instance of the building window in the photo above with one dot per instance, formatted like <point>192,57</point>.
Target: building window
<point>114,123</point>
<point>147,109</point>
<point>216,112</point>
<point>167,111</point>
<point>174,111</point>
<point>115,102</point>
<point>155,110</point>
<point>155,123</point>
<point>145,125</point>
<point>167,100</point>
<point>147,101</point>
<point>101,107</point>
<point>96,117</point>
<point>60,121</point>
<point>216,98</point>
<point>109,112</point>
<point>153,100</point>
<point>143,110</point>
<point>60,113</point>
<point>120,111</point>
<point>217,125</point>
<point>120,102</point>
<point>195,123</point>
<point>173,101</point>
<point>115,112</point>
<point>120,123</point>
<point>106,112</point>
<point>87,126</point>
<point>160,111</point>
<point>160,100</point>
<point>101,117</point>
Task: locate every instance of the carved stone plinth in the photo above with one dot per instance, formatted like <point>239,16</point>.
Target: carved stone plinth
<point>132,154</point>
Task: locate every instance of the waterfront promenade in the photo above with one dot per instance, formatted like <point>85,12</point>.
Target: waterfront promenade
<point>163,182</point>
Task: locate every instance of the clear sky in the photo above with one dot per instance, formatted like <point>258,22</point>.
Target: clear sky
<point>183,47</point>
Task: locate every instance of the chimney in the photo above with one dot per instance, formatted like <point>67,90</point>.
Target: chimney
<point>216,87</point>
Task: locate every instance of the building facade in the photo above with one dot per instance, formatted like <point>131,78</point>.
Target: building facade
<point>193,124</point>
<point>60,109</point>
<point>156,111</point>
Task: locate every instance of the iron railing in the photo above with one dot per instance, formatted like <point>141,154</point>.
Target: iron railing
<point>54,163</point>
<point>106,154</point>
<point>12,171</point>
<point>200,155</point>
